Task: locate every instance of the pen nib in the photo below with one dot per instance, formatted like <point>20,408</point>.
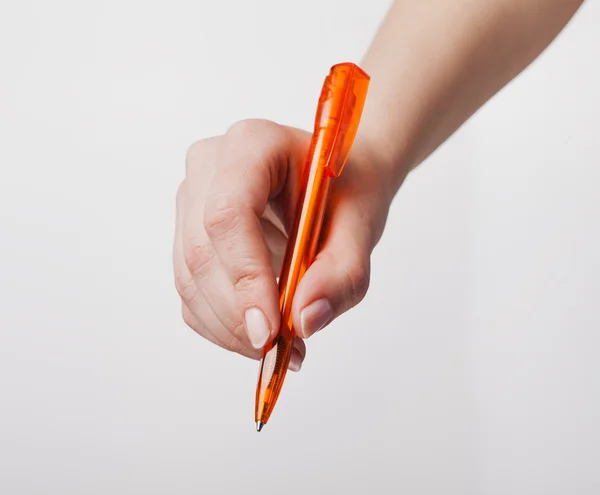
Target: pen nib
<point>259,426</point>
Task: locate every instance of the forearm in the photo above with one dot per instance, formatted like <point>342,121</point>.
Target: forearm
<point>434,63</point>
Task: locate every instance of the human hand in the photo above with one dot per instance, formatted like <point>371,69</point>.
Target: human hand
<point>234,209</point>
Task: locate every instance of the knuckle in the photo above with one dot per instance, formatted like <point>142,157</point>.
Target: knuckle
<point>186,288</point>
<point>199,152</point>
<point>234,344</point>
<point>199,258</point>
<point>236,340</point>
<point>239,333</point>
<point>245,281</point>
<point>264,134</point>
<point>222,215</point>
<point>250,128</point>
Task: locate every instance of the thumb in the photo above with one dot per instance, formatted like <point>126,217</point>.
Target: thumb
<point>338,279</point>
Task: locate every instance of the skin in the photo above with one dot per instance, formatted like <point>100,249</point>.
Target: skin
<point>235,204</point>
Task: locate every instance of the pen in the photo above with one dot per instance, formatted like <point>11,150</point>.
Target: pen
<point>336,122</point>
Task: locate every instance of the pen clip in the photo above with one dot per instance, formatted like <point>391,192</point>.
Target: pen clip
<point>338,114</point>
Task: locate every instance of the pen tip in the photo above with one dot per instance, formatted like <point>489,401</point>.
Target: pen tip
<point>259,426</point>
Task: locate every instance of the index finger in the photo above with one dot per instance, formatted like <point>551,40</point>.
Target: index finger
<point>253,166</point>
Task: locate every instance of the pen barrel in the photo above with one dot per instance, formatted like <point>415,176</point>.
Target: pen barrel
<point>336,122</point>
<point>300,253</point>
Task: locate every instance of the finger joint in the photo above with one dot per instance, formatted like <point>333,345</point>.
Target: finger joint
<point>221,217</point>
<point>199,259</point>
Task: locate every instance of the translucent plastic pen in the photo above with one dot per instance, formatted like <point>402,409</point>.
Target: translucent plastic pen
<point>336,122</point>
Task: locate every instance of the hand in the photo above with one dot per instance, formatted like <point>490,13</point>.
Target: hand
<point>234,209</point>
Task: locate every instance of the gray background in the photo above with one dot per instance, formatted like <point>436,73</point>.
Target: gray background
<point>471,367</point>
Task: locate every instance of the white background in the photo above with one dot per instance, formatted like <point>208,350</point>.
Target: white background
<point>472,366</point>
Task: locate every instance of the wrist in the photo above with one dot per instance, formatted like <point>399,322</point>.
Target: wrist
<point>381,160</point>
<point>373,180</point>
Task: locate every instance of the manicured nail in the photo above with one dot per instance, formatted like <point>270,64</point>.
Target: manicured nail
<point>315,316</point>
<point>257,327</point>
<point>295,361</point>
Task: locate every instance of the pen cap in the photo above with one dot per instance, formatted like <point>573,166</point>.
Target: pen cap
<point>338,114</point>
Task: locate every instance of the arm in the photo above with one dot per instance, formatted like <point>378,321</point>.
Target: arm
<point>432,64</point>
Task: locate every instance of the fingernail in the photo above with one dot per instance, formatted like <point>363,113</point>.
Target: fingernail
<point>315,316</point>
<point>257,327</point>
<point>295,361</point>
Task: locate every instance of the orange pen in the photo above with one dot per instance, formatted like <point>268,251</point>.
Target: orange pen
<point>338,115</point>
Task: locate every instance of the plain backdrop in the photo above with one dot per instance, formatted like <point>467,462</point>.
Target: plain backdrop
<point>471,367</point>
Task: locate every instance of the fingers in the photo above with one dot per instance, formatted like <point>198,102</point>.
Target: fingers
<point>252,167</point>
<point>229,241</point>
<point>197,313</point>
<point>298,355</point>
<point>199,255</point>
